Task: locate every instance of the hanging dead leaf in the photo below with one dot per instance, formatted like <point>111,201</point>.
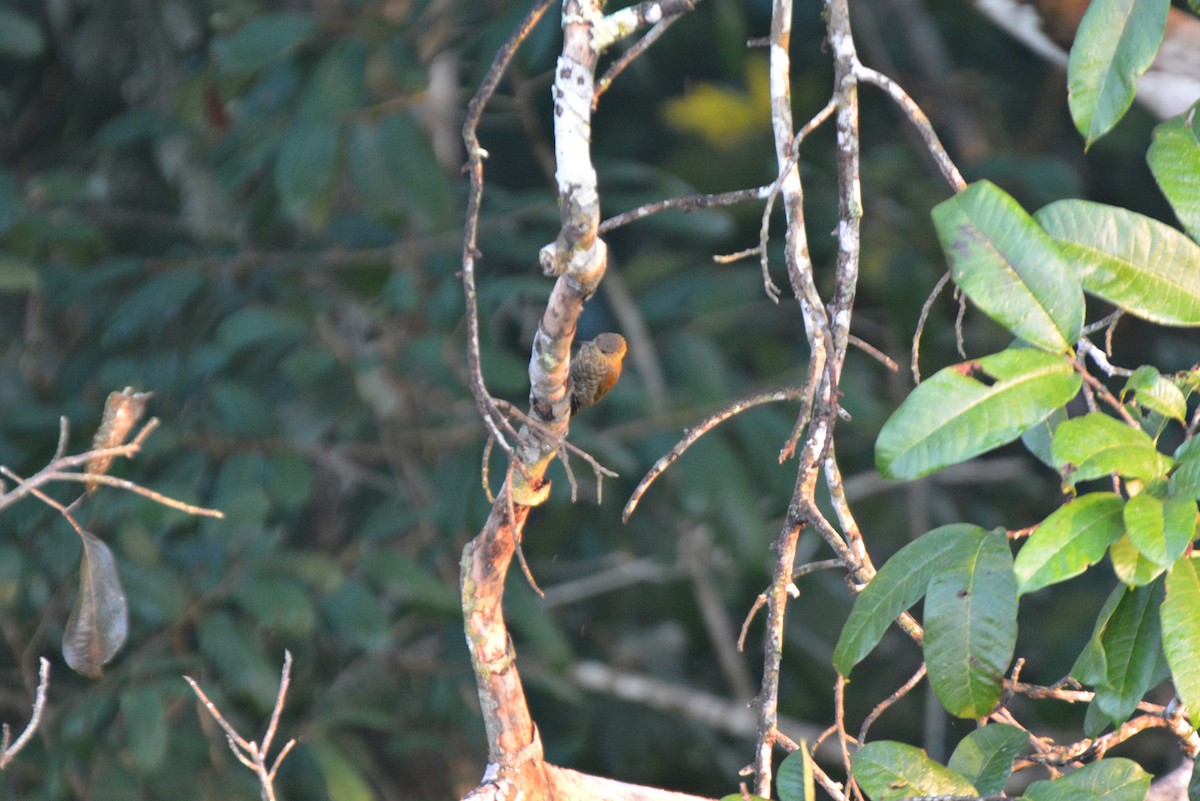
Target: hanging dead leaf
<point>99,621</point>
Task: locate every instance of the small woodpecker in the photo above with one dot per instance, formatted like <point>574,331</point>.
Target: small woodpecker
<point>595,368</point>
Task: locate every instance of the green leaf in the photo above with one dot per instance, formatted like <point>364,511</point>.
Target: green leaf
<point>985,756</point>
<point>887,771</point>
<point>1174,158</point>
<point>336,84</point>
<point>375,174</point>
<point>1073,538</point>
<point>899,584</point>
<point>99,621</point>
<point>1039,436</point>
<point>1160,529</point>
<point>1180,614</point>
<point>794,780</point>
<point>1130,640</point>
<point>971,626</point>
<point>1112,779</point>
<point>261,41</point>
<point>20,35</point>
<point>251,325</point>
<point>1130,565</point>
<point>1116,42</point>
<point>236,652</point>
<point>1009,267</point>
<point>1141,265</point>
<point>354,612</point>
<point>1095,445</point>
<point>305,168</point>
<point>1185,478</point>
<point>1092,665</point>
<point>954,416</point>
<point>156,299</point>
<point>278,603</point>
<point>1194,781</point>
<point>16,275</point>
<point>145,716</point>
<point>424,187</point>
<point>1156,392</point>
<point>343,779</point>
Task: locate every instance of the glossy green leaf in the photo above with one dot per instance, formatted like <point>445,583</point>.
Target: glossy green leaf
<point>305,168</point>
<point>1141,265</point>
<point>1174,158</point>
<point>1095,445</point>
<point>1193,789</point>
<point>1160,529</point>
<point>1009,267</point>
<point>1037,438</point>
<point>99,621</point>
<point>1154,391</point>
<point>971,626</point>
<point>1185,478</point>
<point>20,36</point>
<point>1073,538</point>
<point>887,771</point>
<point>899,584</point>
<point>1116,42</point>
<point>1092,665</point>
<point>1112,779</point>
<point>794,779</point>
<point>953,416</point>
<point>1125,651</point>
<point>1180,614</point>
<point>985,756</point>
<point>261,41</point>
<point>1130,565</point>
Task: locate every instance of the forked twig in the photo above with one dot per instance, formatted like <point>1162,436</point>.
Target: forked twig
<point>9,748</point>
<point>249,752</point>
<point>492,418</point>
<point>58,470</point>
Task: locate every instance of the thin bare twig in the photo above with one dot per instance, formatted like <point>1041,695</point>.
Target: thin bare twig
<point>921,122</point>
<point>922,319</point>
<point>492,418</point>
<point>686,204</point>
<point>690,437</point>
<point>249,752</point>
<point>883,705</point>
<point>668,13</point>
<point>124,484</point>
<point>9,748</point>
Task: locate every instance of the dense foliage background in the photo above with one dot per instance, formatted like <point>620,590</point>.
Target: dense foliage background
<point>252,209</point>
